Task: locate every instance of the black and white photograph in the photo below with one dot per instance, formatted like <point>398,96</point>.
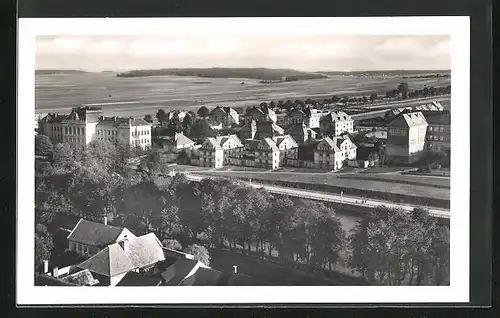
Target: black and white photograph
<point>248,154</point>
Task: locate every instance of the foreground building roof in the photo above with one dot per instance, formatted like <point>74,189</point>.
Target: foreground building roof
<point>94,234</point>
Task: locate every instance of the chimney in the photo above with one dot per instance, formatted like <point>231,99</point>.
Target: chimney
<point>45,266</point>
<point>56,272</point>
<point>235,269</point>
<point>105,220</point>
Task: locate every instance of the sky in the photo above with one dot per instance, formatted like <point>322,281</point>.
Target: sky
<point>304,52</point>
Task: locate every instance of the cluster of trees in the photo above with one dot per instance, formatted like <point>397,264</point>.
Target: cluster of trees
<point>404,92</point>
<point>93,181</point>
<point>199,252</point>
<point>393,247</point>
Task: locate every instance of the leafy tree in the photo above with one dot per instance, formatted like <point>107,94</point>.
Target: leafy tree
<point>172,244</point>
<point>346,100</point>
<point>43,246</point>
<point>161,115</point>
<point>335,99</point>
<point>63,157</point>
<point>203,112</point>
<point>373,97</point>
<point>43,145</point>
<point>149,118</point>
<point>199,252</point>
<point>365,99</point>
<point>187,124</point>
<point>327,238</point>
<point>272,104</point>
<point>403,89</point>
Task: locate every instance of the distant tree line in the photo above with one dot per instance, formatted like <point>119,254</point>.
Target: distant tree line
<point>94,181</point>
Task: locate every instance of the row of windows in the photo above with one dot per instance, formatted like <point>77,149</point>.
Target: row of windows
<point>397,132</point>
<point>140,133</point>
<point>74,139</point>
<point>438,129</point>
<point>102,132</point>
<point>140,142</point>
<point>440,138</point>
<point>70,130</point>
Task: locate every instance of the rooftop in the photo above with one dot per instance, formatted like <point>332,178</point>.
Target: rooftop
<point>94,234</point>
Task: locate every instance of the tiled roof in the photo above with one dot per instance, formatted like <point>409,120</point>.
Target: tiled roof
<point>94,234</point>
<point>181,139</point>
<point>213,142</point>
<point>82,278</point>
<point>249,126</point>
<point>203,277</point>
<point>139,122</point>
<point>144,250</point>
<point>336,142</point>
<point>297,129</point>
<point>270,143</point>
<point>139,279</point>
<point>438,118</point>
<point>109,262</point>
<point>177,272</point>
<point>280,139</point>
<point>269,127</point>
<point>337,116</point>
<point>414,119</point>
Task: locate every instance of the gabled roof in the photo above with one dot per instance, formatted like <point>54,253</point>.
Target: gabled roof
<point>139,122</point>
<point>176,273</point>
<point>297,129</point>
<point>181,140</point>
<point>408,120</point>
<point>269,127</point>
<point>203,277</point>
<point>297,112</point>
<point>144,250</point>
<point>212,142</point>
<point>223,139</point>
<point>217,109</point>
<point>335,142</point>
<point>94,234</point>
<point>53,118</point>
<point>337,116</point>
<point>280,139</point>
<point>82,278</point>
<point>109,262</point>
<point>228,110</point>
<point>249,126</point>
<point>268,141</point>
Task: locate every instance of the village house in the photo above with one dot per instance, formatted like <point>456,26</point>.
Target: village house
<point>438,133</point>
<point>224,116</point>
<point>88,238</point>
<point>335,123</point>
<point>406,138</point>
<point>232,148</point>
<point>260,114</point>
<point>260,129</point>
<point>331,153</point>
<point>85,124</point>
<point>309,116</point>
<point>177,147</point>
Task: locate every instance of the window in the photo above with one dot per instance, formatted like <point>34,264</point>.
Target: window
<point>65,130</point>
<point>441,138</point>
<point>429,128</point>
<point>441,129</point>
<point>77,247</point>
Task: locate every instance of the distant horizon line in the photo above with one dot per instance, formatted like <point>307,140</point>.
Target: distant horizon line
<point>269,68</point>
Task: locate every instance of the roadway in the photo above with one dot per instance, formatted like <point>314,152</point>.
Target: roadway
<point>329,197</point>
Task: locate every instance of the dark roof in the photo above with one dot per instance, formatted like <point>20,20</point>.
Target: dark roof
<point>139,122</point>
<point>177,272</point>
<point>438,118</point>
<point>81,278</point>
<point>203,277</point>
<point>109,262</point>
<point>297,129</point>
<point>139,279</point>
<point>94,234</point>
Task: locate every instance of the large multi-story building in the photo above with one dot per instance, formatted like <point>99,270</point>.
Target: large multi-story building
<point>301,133</point>
<point>288,148</point>
<point>308,116</point>
<point>220,150</point>
<point>336,123</point>
<point>331,153</point>
<point>267,154</point>
<point>85,124</point>
<point>406,138</point>
<point>438,132</point>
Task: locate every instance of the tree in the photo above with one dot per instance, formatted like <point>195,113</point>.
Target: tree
<point>327,238</point>
<point>403,89</point>
<point>199,252</point>
<point>43,145</point>
<point>43,246</point>
<point>148,118</point>
<point>172,244</point>
<point>187,124</point>
<point>272,104</point>
<point>63,157</point>
<point>335,99</point>
<point>365,99</point>
<point>203,112</point>
<point>346,100</point>
<point>161,115</point>
<point>373,97</point>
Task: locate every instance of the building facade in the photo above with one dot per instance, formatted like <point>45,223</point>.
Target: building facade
<point>406,138</point>
<point>438,136</point>
<point>225,116</point>
<point>211,153</point>
<point>336,123</point>
<point>332,153</point>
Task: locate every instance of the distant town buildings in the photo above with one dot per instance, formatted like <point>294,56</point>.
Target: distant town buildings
<point>85,124</point>
<point>226,116</point>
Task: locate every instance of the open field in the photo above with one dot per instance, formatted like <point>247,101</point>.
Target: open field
<point>334,180</point>
<point>145,95</point>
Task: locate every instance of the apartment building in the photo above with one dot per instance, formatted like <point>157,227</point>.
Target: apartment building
<point>289,149</point>
<point>267,154</point>
<point>85,124</point>
<point>438,136</point>
<point>331,153</point>
<point>309,116</point>
<point>301,133</point>
<point>211,153</point>
<point>335,123</point>
<point>406,136</point>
